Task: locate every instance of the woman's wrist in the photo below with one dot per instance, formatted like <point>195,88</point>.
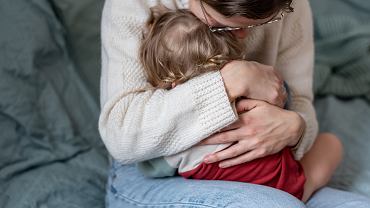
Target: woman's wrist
<point>298,143</point>
<point>300,130</point>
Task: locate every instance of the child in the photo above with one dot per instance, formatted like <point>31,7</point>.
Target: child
<point>176,47</point>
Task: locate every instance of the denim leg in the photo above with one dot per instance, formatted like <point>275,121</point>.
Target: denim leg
<point>128,188</point>
<point>334,198</point>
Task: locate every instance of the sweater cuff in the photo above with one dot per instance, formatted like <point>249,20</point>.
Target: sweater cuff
<point>212,102</point>
<point>306,140</point>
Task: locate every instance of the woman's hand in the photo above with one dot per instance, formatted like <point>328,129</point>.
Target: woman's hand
<point>255,81</point>
<point>262,129</point>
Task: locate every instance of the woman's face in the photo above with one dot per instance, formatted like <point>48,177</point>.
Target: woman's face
<point>215,19</point>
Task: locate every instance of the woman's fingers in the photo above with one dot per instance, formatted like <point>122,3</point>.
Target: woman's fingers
<point>237,124</point>
<point>247,157</point>
<point>265,129</point>
<point>222,138</point>
<point>231,152</point>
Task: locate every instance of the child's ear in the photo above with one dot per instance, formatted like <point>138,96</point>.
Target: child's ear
<point>156,13</point>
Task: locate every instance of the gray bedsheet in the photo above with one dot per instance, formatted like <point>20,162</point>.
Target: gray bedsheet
<point>50,151</point>
<point>350,121</point>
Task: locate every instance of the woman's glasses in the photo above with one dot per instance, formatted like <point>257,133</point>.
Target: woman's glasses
<point>227,28</point>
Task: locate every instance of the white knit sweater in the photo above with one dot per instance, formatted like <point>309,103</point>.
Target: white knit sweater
<point>144,125</point>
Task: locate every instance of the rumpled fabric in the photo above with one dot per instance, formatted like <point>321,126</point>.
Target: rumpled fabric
<point>51,154</point>
<point>342,41</point>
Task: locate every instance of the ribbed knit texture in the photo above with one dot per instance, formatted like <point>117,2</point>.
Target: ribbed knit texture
<point>342,36</point>
<point>141,126</point>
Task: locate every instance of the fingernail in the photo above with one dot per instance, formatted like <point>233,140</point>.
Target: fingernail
<point>207,159</point>
<point>222,165</point>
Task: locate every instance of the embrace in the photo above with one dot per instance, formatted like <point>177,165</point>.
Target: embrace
<point>216,91</point>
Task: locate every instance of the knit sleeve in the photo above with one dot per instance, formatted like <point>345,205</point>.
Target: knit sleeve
<point>295,62</point>
<point>144,125</point>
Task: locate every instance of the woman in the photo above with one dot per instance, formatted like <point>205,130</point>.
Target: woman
<point>137,132</point>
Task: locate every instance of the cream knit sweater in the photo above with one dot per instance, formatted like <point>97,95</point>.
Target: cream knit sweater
<point>145,125</point>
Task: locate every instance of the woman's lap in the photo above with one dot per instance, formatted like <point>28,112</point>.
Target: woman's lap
<point>128,188</point>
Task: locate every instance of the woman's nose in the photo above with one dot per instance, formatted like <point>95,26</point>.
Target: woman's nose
<point>240,34</point>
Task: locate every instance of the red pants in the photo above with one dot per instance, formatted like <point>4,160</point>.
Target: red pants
<point>279,170</point>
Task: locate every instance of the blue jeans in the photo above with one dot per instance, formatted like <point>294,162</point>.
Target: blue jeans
<point>128,188</point>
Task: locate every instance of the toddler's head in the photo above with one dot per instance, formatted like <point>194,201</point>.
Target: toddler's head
<point>177,46</point>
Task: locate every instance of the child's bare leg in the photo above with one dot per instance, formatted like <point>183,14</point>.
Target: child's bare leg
<point>320,162</point>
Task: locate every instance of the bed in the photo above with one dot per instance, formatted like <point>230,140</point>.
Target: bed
<point>50,151</point>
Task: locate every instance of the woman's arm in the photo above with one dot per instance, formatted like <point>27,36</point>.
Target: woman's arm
<point>265,129</point>
<point>137,125</point>
<point>296,62</point>
<point>144,125</point>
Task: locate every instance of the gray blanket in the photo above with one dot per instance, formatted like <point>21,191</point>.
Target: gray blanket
<point>342,41</point>
<point>50,151</point>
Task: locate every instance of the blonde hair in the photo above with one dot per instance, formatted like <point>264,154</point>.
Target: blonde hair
<point>177,46</point>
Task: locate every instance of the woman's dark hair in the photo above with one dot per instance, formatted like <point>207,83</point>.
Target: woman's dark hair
<point>252,9</point>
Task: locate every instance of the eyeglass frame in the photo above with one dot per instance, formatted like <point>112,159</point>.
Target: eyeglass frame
<point>276,18</point>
